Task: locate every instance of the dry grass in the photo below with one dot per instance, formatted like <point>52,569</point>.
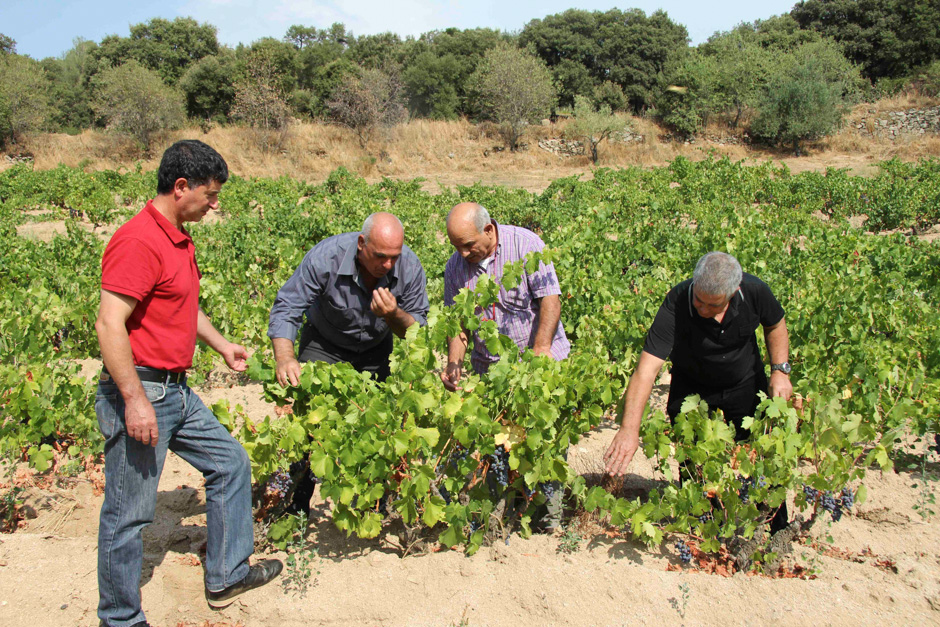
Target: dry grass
<point>461,153</point>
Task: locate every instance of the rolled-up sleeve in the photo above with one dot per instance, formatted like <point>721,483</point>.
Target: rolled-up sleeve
<point>295,297</point>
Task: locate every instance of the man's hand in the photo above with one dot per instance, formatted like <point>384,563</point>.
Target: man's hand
<point>780,385</point>
<point>288,371</point>
<point>383,302</point>
<point>141,421</point>
<point>450,375</point>
<point>542,350</point>
<point>235,356</point>
<point>620,452</point>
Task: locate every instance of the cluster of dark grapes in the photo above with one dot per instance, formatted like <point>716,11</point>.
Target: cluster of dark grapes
<point>60,336</point>
<point>936,443</point>
<point>831,505</point>
<point>685,553</point>
<point>743,492</point>
<point>279,484</point>
<point>835,505</point>
<point>848,498</point>
<point>499,466</point>
<point>548,489</point>
<point>704,518</point>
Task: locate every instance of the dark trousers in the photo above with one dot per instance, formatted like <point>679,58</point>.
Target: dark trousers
<point>735,403</point>
<point>314,347</point>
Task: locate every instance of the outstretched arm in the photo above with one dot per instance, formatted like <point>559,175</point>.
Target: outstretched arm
<point>456,351</point>
<point>235,355</point>
<point>621,451</point>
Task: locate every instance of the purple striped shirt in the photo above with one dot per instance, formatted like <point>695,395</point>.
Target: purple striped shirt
<point>517,309</point>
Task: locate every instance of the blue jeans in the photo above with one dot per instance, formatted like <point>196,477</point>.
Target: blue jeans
<point>132,472</point>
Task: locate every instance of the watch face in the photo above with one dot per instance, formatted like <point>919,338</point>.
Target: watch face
<point>784,367</point>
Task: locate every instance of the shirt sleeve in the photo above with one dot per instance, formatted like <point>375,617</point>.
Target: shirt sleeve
<point>662,334</point>
<point>768,307</point>
<point>415,295</point>
<point>450,283</point>
<point>130,267</point>
<point>544,281</point>
<point>295,297</point>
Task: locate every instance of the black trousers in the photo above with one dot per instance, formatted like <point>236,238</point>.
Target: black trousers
<point>314,347</point>
<point>735,403</point>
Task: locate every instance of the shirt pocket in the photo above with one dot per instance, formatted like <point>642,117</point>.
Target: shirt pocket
<point>518,298</point>
<point>339,316</point>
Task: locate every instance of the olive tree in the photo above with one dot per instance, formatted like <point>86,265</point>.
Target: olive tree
<point>23,96</point>
<point>367,101</point>
<point>134,100</point>
<point>515,90</point>
<point>593,125</point>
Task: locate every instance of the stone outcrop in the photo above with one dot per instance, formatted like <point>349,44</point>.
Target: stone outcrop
<point>899,123</point>
<point>573,148</point>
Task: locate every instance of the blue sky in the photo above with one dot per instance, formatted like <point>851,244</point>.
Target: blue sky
<point>44,28</point>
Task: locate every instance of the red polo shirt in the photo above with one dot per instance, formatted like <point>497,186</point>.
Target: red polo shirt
<point>154,263</point>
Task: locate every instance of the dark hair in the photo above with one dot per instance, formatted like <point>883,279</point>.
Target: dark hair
<point>192,160</point>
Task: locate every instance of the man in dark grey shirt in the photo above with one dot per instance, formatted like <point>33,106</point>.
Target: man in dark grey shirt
<point>355,289</point>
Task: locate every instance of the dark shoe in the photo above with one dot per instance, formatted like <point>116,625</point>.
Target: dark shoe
<point>258,575</point>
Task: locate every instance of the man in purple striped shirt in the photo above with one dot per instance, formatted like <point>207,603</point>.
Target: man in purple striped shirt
<point>529,313</point>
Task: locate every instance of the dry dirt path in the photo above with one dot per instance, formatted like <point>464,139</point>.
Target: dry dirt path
<point>48,568</point>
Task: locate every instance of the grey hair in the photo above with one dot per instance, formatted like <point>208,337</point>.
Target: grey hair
<point>367,226</point>
<point>479,216</point>
<point>716,274</point>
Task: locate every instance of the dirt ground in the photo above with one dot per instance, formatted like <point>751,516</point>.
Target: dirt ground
<point>881,566</point>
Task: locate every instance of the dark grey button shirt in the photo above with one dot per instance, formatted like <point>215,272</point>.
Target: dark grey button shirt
<point>328,289</point>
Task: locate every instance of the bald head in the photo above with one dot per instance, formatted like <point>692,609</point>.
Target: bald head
<point>385,226</point>
<point>471,231</point>
<point>471,212</point>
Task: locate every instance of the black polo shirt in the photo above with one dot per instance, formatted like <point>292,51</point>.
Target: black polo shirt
<point>706,353</point>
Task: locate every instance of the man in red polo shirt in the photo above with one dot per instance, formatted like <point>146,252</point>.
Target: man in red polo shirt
<point>148,323</point>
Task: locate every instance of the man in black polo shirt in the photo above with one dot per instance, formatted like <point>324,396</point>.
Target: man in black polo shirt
<point>706,326</point>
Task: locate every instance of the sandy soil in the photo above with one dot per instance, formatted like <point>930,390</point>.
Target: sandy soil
<point>881,566</point>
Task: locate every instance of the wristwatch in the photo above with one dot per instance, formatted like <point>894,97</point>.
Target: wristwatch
<point>784,367</point>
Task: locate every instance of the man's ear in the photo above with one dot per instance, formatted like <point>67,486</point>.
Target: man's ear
<point>180,187</point>
<point>362,242</point>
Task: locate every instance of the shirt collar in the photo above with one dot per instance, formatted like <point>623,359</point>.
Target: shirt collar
<point>732,304</point>
<point>176,235</point>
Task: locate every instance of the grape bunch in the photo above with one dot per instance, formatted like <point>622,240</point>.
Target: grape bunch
<point>812,494</point>
<point>548,489</point>
<point>831,505</point>
<point>704,518</point>
<point>279,484</point>
<point>685,553</point>
<point>743,492</point>
<point>848,498</point>
<point>936,443</point>
<point>499,465</point>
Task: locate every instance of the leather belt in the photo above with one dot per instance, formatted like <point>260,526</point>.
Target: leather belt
<point>152,375</point>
